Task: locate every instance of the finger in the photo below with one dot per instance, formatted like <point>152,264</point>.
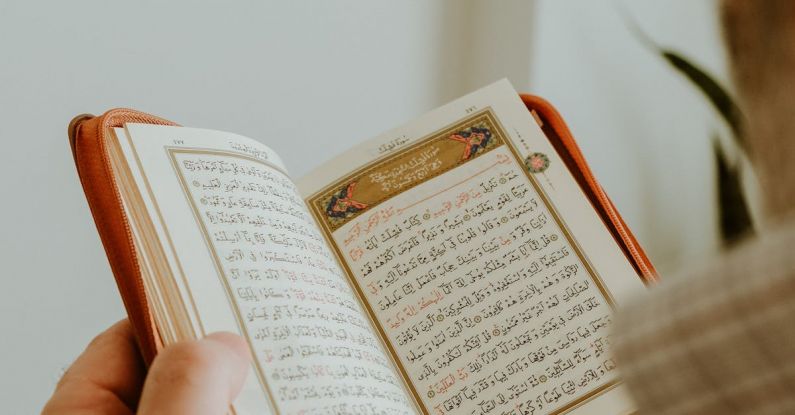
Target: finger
<point>197,377</point>
<point>105,379</point>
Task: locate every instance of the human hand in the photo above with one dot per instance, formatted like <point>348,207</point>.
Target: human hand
<point>200,377</point>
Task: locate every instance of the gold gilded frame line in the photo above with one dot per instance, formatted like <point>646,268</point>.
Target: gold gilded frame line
<point>174,251</point>
<point>168,237</point>
<point>214,254</point>
<point>320,197</point>
<point>171,245</point>
<point>149,247</point>
<point>317,211</point>
<point>136,209</point>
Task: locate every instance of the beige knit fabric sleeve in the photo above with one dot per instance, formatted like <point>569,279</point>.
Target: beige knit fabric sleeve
<point>719,339</point>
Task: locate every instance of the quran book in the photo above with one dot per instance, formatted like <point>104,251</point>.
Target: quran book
<point>465,263</point>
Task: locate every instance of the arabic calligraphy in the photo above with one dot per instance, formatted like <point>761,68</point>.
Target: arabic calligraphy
<point>481,294</point>
<point>305,327</point>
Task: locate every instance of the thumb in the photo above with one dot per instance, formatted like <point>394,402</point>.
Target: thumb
<point>196,377</point>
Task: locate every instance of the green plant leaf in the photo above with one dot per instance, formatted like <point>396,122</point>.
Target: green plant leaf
<point>716,94</point>
<point>709,87</point>
<point>735,217</point>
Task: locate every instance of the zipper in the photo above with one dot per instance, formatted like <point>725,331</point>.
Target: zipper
<point>644,266</point>
<point>116,118</point>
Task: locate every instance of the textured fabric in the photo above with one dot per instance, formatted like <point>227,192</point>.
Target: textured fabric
<point>719,339</point>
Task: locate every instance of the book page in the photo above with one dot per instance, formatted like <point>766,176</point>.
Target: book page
<point>481,262</point>
<point>244,255</point>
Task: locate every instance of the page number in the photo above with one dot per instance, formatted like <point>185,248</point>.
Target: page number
<point>179,142</point>
<point>470,110</point>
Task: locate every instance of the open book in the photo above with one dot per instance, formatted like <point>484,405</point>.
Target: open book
<point>466,263</point>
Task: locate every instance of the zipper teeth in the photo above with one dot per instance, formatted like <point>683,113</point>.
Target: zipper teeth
<point>633,250</point>
<point>645,270</point>
<point>613,215</point>
<point>108,121</point>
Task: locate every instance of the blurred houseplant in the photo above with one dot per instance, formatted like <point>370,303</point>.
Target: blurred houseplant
<point>734,213</point>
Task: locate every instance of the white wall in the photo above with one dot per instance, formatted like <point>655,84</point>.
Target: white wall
<point>644,129</point>
<point>307,78</point>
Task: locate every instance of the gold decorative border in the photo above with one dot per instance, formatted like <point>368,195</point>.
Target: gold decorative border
<point>169,239</point>
<point>318,211</point>
<point>438,140</point>
<point>146,223</point>
<point>172,151</point>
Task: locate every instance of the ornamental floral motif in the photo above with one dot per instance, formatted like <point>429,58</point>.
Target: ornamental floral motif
<point>342,204</point>
<point>537,162</point>
<point>475,138</point>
